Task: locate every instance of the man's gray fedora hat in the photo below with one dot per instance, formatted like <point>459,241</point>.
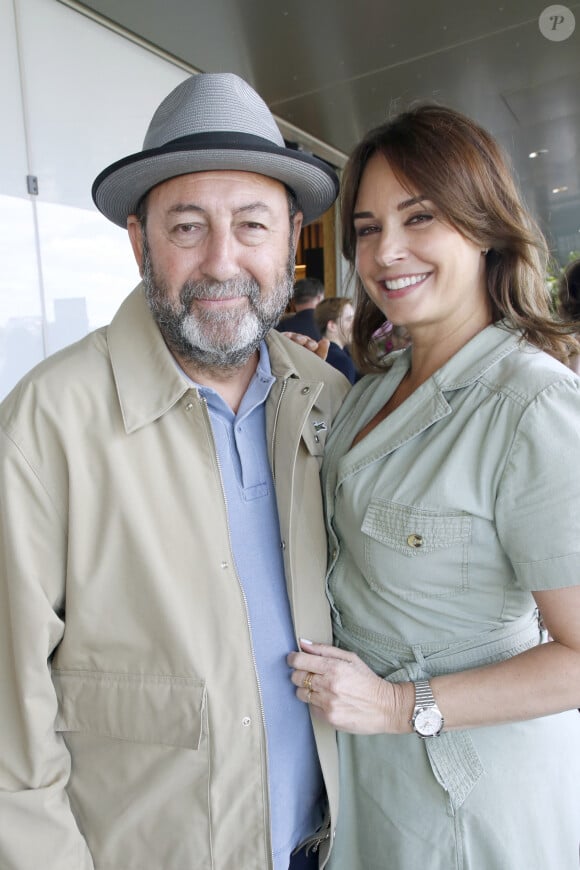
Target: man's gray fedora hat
<point>213,121</point>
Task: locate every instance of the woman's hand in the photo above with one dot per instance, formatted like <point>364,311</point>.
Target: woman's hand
<point>345,692</point>
<point>320,348</point>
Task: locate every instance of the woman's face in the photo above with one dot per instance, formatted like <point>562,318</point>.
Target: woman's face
<point>415,267</point>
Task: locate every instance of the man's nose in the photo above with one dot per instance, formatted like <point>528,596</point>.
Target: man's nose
<point>220,256</point>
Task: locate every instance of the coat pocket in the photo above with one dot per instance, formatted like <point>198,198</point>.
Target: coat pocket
<point>139,783</point>
<point>141,708</point>
<point>415,552</point>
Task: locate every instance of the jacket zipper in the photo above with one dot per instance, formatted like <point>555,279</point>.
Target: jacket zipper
<point>245,600</point>
<point>312,844</point>
<point>274,428</point>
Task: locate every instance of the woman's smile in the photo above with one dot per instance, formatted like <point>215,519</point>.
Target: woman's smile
<point>403,284</point>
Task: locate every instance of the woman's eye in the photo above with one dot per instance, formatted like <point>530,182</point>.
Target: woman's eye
<point>420,218</point>
<point>366,230</point>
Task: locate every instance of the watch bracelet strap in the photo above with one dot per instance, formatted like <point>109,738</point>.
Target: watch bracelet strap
<point>423,694</point>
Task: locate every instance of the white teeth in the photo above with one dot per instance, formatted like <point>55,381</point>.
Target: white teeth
<point>400,283</point>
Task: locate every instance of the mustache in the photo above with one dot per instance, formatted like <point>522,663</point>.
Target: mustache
<point>205,289</point>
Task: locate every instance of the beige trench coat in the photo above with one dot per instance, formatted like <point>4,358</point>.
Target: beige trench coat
<point>141,744</point>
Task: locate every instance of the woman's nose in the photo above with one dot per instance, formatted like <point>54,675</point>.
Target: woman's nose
<point>390,249</point>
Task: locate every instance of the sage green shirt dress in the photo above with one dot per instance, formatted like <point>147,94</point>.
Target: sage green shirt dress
<point>441,523</point>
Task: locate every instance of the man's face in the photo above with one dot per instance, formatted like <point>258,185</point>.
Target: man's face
<point>217,260</point>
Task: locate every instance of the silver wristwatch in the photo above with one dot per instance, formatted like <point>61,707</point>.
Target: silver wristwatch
<point>427,718</point>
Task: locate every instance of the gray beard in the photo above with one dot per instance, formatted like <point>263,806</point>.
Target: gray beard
<point>216,339</point>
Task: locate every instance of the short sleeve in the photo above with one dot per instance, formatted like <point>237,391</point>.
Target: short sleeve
<point>538,505</point>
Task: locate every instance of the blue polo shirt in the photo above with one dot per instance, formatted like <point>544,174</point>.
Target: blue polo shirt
<point>295,779</point>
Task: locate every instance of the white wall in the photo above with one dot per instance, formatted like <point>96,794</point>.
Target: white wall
<point>74,98</point>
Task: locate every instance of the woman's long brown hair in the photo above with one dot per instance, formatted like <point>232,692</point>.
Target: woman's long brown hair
<point>455,163</point>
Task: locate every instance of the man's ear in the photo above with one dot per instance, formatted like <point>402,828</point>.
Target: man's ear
<point>135,230</point>
<point>297,220</point>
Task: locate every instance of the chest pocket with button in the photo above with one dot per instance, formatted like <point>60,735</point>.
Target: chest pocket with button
<point>415,552</point>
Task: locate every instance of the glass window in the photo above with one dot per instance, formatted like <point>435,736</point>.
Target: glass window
<point>68,114</point>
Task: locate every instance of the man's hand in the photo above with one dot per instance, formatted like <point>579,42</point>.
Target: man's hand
<point>320,348</point>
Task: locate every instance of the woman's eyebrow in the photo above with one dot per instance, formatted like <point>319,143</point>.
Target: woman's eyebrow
<point>406,203</point>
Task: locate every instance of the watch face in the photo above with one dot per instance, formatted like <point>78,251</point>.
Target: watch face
<point>428,723</point>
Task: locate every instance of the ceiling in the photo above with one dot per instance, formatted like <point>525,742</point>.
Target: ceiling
<point>334,68</point>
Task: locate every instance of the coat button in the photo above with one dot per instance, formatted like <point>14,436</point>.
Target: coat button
<point>415,541</point>
<point>246,721</point>
<point>305,390</point>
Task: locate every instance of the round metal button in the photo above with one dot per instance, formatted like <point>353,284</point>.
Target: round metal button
<point>415,541</point>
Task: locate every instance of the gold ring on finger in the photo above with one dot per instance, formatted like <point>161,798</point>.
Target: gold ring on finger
<point>307,681</point>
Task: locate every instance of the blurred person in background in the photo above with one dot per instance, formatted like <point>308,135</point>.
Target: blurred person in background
<point>307,293</point>
<point>569,303</point>
<point>334,317</point>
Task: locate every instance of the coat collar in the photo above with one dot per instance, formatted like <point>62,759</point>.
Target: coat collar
<point>426,405</point>
<point>147,380</point>
<point>470,362</point>
<point>477,357</point>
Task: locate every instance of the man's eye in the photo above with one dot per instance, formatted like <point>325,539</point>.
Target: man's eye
<point>186,233</point>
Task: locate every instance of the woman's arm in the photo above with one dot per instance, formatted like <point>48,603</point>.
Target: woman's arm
<point>539,682</point>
